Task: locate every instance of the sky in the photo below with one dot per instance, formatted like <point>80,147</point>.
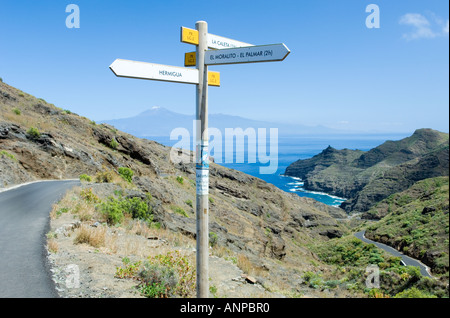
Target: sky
<point>393,77</point>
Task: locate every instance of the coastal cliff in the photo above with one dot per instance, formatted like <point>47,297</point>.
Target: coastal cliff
<point>367,177</point>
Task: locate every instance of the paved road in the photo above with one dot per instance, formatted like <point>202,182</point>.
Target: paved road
<point>406,259</point>
<point>24,221</point>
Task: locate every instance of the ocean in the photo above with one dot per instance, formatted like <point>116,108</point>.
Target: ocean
<point>293,148</point>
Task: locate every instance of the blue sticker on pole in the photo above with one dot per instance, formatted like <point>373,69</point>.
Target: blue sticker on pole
<point>202,160</point>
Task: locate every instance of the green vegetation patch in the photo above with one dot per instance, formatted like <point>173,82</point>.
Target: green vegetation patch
<point>4,153</point>
<point>85,177</point>
<point>115,209</point>
<point>162,276</point>
<point>126,174</point>
<point>418,223</point>
<point>351,259</point>
<point>34,133</point>
<point>179,210</point>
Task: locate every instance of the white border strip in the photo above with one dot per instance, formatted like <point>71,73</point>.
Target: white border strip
<point>31,182</point>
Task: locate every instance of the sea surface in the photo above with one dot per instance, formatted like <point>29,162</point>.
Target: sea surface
<point>291,149</point>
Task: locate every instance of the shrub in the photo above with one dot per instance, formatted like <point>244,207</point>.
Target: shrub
<point>17,111</point>
<point>89,196</point>
<point>158,281</point>
<point>413,292</point>
<point>34,133</point>
<point>137,208</point>
<point>179,210</point>
<point>213,239</point>
<point>115,210</point>
<point>180,179</point>
<point>85,177</point>
<point>189,202</point>
<point>169,275</point>
<point>113,144</point>
<point>1,79</point>
<point>129,271</point>
<point>112,211</point>
<point>126,173</point>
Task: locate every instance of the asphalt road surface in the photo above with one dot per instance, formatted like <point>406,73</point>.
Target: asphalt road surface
<point>24,222</point>
<point>408,261</point>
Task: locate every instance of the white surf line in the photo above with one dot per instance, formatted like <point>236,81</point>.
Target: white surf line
<point>31,182</point>
<point>299,187</point>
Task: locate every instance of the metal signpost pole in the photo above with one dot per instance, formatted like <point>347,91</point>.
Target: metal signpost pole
<point>202,164</point>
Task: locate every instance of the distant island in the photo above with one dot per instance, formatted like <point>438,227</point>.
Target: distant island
<point>159,121</point>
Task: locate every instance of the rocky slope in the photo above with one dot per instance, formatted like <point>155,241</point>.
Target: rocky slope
<point>368,177</point>
<point>248,215</point>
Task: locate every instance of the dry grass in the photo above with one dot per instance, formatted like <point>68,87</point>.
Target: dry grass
<point>248,267</point>
<point>222,251</point>
<point>94,236</point>
<point>86,212</point>
<point>111,176</point>
<point>28,121</point>
<point>244,263</point>
<point>52,245</point>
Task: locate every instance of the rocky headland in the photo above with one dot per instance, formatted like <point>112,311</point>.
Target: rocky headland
<point>367,177</point>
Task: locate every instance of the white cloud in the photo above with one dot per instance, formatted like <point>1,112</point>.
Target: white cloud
<point>422,27</point>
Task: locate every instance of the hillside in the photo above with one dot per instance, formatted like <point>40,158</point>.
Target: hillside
<point>367,177</point>
<point>416,222</point>
<point>248,216</point>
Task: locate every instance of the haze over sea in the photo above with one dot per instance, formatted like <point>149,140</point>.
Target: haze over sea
<point>292,148</point>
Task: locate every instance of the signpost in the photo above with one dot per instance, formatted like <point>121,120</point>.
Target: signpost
<point>219,42</point>
<point>159,72</point>
<point>250,54</point>
<point>213,41</point>
<point>151,71</point>
<point>224,51</point>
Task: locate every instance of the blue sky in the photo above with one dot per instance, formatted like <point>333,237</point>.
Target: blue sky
<point>339,74</point>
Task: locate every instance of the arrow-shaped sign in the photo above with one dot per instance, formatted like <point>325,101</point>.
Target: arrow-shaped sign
<point>250,54</point>
<point>213,41</point>
<point>159,72</point>
<point>151,71</point>
<point>220,42</point>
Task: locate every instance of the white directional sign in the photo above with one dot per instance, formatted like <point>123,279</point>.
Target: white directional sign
<point>250,54</point>
<point>151,71</point>
<point>219,42</point>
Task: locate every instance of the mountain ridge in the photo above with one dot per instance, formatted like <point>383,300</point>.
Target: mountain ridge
<point>366,177</point>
